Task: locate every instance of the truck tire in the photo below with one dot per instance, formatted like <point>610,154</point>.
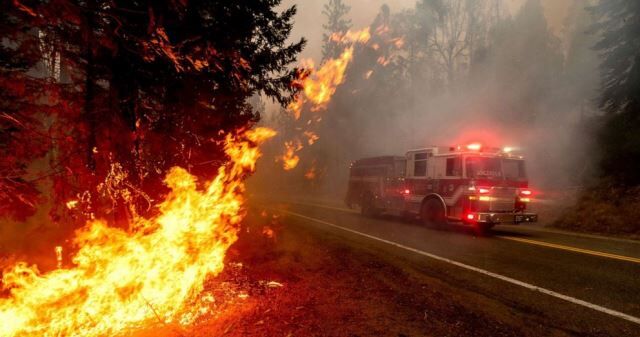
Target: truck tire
<point>368,207</point>
<point>432,213</point>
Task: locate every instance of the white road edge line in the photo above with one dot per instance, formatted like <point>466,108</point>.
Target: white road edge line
<point>517,227</point>
<point>481,271</point>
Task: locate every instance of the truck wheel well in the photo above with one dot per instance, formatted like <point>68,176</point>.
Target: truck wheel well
<point>436,197</point>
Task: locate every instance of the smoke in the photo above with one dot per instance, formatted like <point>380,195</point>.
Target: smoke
<point>520,74</point>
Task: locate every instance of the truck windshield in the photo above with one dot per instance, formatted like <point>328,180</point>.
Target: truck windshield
<point>495,168</point>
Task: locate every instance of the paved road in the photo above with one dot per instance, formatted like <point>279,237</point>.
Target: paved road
<point>583,284</point>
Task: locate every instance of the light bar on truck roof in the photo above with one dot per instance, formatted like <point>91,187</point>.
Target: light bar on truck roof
<point>474,146</point>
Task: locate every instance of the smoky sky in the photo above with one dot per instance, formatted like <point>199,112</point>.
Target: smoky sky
<point>309,20</point>
<point>532,92</point>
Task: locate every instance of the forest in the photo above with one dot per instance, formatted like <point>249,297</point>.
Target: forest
<point>157,160</point>
<point>446,72</point>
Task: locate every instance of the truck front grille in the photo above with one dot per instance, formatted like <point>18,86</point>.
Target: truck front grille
<point>502,205</point>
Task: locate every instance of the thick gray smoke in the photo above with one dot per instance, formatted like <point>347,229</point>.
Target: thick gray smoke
<point>506,73</point>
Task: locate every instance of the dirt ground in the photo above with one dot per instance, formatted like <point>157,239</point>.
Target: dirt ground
<point>293,281</point>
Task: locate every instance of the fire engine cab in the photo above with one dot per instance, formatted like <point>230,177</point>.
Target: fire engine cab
<point>470,184</point>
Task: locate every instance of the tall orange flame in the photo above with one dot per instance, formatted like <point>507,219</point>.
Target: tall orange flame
<point>123,280</point>
<point>319,85</point>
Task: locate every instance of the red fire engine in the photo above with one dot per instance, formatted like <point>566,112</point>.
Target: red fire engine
<point>470,184</point>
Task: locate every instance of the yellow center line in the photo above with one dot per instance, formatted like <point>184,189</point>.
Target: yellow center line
<point>573,249</point>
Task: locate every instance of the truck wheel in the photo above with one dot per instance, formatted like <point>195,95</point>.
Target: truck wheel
<point>433,213</point>
<point>368,207</point>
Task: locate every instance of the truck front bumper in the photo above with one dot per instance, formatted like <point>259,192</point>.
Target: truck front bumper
<point>504,218</point>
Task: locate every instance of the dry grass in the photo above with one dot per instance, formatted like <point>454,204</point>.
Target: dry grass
<point>604,210</point>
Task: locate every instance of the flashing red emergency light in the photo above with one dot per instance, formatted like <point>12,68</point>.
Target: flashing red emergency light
<point>474,146</point>
<point>526,192</point>
<point>471,216</point>
<point>483,190</point>
<point>406,191</point>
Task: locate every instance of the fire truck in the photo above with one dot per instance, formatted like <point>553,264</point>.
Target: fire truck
<point>472,184</point>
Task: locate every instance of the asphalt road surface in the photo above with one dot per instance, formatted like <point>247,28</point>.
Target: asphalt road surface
<point>573,281</point>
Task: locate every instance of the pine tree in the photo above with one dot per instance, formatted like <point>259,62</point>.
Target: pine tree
<point>335,12</point>
<point>147,85</point>
<point>619,45</point>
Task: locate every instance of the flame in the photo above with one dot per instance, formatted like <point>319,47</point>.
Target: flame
<point>290,159</point>
<point>71,204</point>
<point>368,74</point>
<point>318,87</point>
<point>360,36</point>
<point>121,280</point>
<point>312,137</point>
<point>58,251</point>
<point>398,42</point>
<point>383,61</point>
<point>268,232</point>
<point>311,173</point>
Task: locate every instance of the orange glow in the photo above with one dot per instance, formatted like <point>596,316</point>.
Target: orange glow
<point>398,42</point>
<point>318,85</point>
<point>268,232</point>
<point>311,137</point>
<point>368,74</point>
<point>121,280</point>
<point>361,36</point>
<point>311,173</point>
<point>59,256</point>
<point>71,204</point>
<point>322,84</point>
<point>290,159</point>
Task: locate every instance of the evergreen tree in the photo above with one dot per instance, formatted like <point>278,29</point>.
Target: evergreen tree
<point>619,45</point>
<point>335,12</point>
<point>147,85</point>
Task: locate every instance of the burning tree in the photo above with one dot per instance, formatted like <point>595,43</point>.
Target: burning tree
<point>116,93</point>
<point>137,113</point>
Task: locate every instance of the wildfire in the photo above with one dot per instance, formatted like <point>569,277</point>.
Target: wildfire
<point>318,87</point>
<point>311,173</point>
<point>312,137</point>
<point>290,159</point>
<point>71,204</point>
<point>122,280</point>
<point>58,251</point>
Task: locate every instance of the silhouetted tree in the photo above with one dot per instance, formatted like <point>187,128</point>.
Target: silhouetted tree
<point>335,11</point>
<point>126,90</point>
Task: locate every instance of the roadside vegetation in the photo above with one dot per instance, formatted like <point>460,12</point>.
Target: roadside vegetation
<point>605,210</point>
<point>611,202</point>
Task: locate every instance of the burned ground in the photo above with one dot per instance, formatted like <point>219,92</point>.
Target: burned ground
<point>333,288</point>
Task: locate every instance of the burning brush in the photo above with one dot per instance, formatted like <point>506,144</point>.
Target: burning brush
<point>124,280</point>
